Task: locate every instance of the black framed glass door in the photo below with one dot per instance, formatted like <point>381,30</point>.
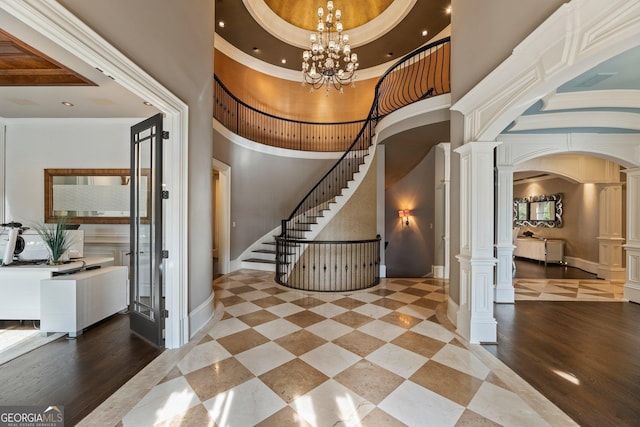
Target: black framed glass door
<point>147,300</point>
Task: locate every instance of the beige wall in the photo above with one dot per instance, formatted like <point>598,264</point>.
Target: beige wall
<point>174,44</point>
<point>289,99</point>
<point>357,219</point>
<point>580,215</point>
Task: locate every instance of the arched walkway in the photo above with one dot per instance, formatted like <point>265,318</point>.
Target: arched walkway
<point>578,36</point>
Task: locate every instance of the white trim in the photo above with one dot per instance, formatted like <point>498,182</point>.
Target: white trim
<point>201,315</point>
<point>632,292</point>
<point>285,73</point>
<point>299,37</point>
<point>582,264</point>
<point>621,148</point>
<point>421,113</point>
<point>224,254</point>
<point>438,271</point>
<point>578,119</point>
<point>60,26</point>
<point>576,167</point>
<point>256,64</point>
<point>383,271</point>
<point>3,170</point>
<point>578,36</point>
<point>273,151</point>
<point>452,311</point>
<point>615,98</point>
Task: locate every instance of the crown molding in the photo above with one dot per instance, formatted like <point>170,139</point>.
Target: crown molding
<point>577,119</point>
<point>618,98</point>
<point>299,37</point>
<point>256,64</point>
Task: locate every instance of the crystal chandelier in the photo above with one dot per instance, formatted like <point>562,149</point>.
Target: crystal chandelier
<point>330,61</point>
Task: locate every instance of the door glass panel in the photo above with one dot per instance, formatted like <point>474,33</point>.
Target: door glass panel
<point>144,229</point>
<point>146,316</point>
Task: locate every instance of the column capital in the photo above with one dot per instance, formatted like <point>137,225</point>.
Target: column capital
<point>631,171</point>
<point>506,168</point>
<point>477,146</point>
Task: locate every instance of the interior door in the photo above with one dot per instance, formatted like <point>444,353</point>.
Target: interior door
<point>147,301</point>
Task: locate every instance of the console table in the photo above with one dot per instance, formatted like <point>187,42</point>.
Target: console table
<point>547,250</point>
<point>22,296</point>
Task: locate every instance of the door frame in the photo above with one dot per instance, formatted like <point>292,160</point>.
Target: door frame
<point>224,220</point>
<point>54,22</point>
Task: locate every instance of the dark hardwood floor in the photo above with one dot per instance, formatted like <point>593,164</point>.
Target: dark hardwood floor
<point>529,269</point>
<point>77,373</point>
<point>583,356</point>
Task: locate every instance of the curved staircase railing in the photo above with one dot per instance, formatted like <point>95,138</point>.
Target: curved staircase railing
<point>419,75</point>
<point>251,123</point>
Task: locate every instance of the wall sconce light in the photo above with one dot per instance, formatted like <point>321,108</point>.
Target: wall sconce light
<point>404,217</point>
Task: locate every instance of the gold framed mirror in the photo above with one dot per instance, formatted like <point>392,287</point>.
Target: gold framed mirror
<point>90,196</point>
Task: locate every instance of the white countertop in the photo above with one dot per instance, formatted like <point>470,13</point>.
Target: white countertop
<point>73,265</point>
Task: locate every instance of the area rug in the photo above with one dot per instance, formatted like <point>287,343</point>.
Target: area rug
<point>16,342</point>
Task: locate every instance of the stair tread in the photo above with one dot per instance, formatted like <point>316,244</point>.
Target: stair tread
<point>263,261</point>
<point>264,251</point>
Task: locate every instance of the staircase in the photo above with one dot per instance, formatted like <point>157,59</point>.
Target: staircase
<point>306,226</point>
<point>419,75</point>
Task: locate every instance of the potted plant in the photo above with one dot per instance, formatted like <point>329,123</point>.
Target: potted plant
<point>56,239</point>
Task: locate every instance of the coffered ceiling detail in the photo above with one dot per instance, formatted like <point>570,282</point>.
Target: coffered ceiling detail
<point>22,65</point>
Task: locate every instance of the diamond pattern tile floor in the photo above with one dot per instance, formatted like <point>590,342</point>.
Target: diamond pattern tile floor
<point>378,357</point>
<point>568,290</point>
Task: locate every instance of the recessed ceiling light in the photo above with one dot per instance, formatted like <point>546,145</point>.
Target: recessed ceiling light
<point>424,33</point>
<point>67,104</point>
<point>221,24</point>
<point>449,9</point>
<point>147,103</point>
<point>389,53</point>
<point>284,61</point>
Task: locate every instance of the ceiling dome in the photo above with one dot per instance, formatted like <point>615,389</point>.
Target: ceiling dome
<point>354,12</point>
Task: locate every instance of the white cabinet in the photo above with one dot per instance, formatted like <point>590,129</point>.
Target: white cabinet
<point>73,302</point>
<point>547,250</point>
<point>20,286</point>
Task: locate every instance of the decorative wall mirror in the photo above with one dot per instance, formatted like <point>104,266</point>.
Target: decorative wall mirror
<point>89,196</point>
<point>538,211</point>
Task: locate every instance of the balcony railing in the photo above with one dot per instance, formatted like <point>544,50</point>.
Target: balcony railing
<point>265,128</point>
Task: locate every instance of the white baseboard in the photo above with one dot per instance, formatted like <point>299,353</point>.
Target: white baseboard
<point>582,264</point>
<point>452,311</point>
<point>438,272</point>
<point>383,271</point>
<point>201,315</point>
<point>632,292</point>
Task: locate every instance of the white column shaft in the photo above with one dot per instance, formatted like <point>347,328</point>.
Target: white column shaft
<point>475,316</point>
<point>632,285</point>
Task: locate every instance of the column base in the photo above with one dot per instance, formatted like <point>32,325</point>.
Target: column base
<point>632,292</point>
<point>612,273</point>
<point>504,295</point>
<point>476,331</point>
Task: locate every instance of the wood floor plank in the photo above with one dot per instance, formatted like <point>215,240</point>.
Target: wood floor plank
<point>78,374</point>
<point>583,356</point>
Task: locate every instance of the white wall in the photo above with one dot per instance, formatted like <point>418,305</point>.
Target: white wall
<point>33,145</point>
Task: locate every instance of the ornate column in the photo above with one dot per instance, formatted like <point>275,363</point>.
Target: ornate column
<point>632,286</point>
<point>610,238</point>
<point>475,319</point>
<point>504,292</point>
